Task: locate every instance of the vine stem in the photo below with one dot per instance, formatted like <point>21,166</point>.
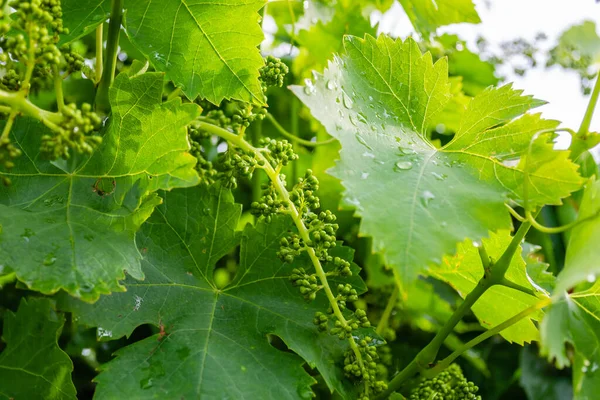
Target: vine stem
<point>294,138</point>
<point>589,112</point>
<point>445,363</point>
<point>296,217</point>
<point>383,322</point>
<point>110,64</point>
<point>494,275</point>
<point>99,52</point>
<point>26,84</point>
<point>20,104</point>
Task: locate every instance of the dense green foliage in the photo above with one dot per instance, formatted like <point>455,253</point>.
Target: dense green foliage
<point>190,211</point>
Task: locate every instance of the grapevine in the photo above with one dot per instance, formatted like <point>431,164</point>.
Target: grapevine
<point>288,200</point>
<point>33,61</point>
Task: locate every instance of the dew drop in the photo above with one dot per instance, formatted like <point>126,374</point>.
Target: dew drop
<point>403,165</point>
<point>362,141</point>
<point>331,85</point>
<point>353,120</point>
<point>369,155</point>
<point>438,176</point>
<point>347,101</point>
<point>362,118</point>
<point>309,87</point>
<point>426,198</point>
<point>338,127</point>
<point>50,259</point>
<point>591,278</point>
<point>403,151</point>
<point>146,383</point>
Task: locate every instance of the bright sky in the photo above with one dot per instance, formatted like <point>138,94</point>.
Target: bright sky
<point>504,20</point>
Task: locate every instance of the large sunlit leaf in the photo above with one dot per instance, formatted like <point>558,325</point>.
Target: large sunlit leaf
<point>583,252</point>
<point>71,225</point>
<point>206,47</point>
<point>427,15</point>
<point>378,100</point>
<point>216,343</point>
<point>499,303</point>
<point>575,319</point>
<point>32,366</point>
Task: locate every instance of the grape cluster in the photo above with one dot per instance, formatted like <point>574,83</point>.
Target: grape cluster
<point>32,61</point>
<point>450,384</point>
<point>237,115</point>
<point>236,163</point>
<point>307,283</point>
<point>269,205</point>
<point>369,371</point>
<point>207,173</point>
<point>281,152</point>
<point>37,24</point>
<point>273,73</point>
<point>73,132</point>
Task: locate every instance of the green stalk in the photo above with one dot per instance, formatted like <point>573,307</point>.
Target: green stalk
<point>20,104</point>
<point>110,63</point>
<point>296,217</point>
<point>425,359</point>
<point>445,363</point>
<point>294,128</point>
<point>295,139</point>
<point>99,52</point>
<point>589,112</point>
<point>383,322</point>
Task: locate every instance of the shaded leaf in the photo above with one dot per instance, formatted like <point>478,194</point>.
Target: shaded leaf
<point>206,47</point>
<point>71,224</point>
<point>575,318</point>
<point>32,366</point>
<point>540,380</point>
<point>215,340</point>
<point>582,260</point>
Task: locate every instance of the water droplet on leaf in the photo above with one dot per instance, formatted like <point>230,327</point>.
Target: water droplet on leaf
<point>50,259</point>
<point>362,141</point>
<point>438,176</point>
<point>403,165</point>
<point>426,198</point>
<point>347,101</point>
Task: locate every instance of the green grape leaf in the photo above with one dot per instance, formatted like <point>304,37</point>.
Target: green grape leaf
<point>81,17</point>
<point>32,366</point>
<point>427,15</point>
<point>539,380</point>
<point>199,43</point>
<point>71,224</point>
<point>215,344</point>
<point>499,303</point>
<point>377,101</point>
<point>582,261</point>
<point>575,318</point>
<point>325,38</point>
